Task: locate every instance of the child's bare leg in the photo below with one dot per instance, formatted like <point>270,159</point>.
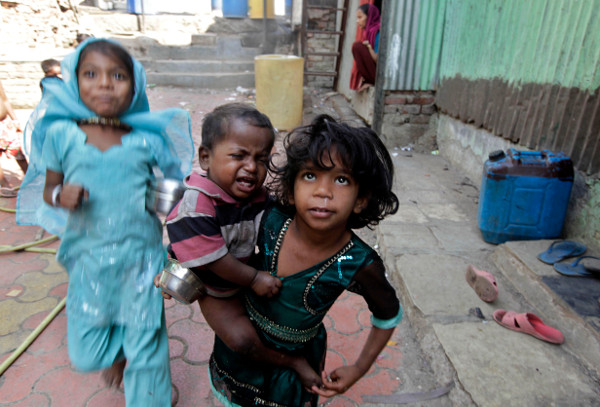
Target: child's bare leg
<point>113,376</point>
<point>23,165</point>
<point>227,317</point>
<point>3,181</point>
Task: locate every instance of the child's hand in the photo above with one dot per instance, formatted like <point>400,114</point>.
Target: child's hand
<point>265,285</point>
<point>72,196</point>
<point>157,285</point>
<point>338,381</point>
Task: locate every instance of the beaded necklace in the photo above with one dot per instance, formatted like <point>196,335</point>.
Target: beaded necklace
<point>105,121</point>
<point>314,278</point>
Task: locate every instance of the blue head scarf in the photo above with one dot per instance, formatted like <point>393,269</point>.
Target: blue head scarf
<point>168,132</point>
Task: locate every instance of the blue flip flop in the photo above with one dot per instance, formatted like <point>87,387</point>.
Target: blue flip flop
<point>560,250</point>
<point>578,269</point>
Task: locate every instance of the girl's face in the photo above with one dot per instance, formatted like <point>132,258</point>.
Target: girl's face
<point>361,18</point>
<point>325,199</point>
<point>104,84</point>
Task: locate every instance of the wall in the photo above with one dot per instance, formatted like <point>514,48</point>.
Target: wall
<point>409,120</point>
<point>39,29</point>
<point>526,74</point>
<point>321,20</point>
<point>347,59</point>
<point>42,29</point>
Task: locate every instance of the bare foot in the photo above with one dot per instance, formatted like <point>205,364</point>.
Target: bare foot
<point>113,376</point>
<point>364,86</point>
<point>308,376</point>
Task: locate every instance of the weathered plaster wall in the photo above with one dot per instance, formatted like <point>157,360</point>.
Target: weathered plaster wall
<point>32,30</point>
<point>467,148</point>
<point>409,120</point>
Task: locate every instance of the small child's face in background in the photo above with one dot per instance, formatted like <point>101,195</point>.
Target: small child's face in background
<point>104,84</point>
<point>54,71</point>
<point>238,162</point>
<point>325,199</point>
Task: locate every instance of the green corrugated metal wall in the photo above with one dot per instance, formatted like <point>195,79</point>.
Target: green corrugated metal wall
<point>414,39</point>
<point>527,71</point>
<point>538,41</point>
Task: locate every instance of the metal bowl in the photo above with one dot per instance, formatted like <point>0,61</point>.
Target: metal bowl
<point>167,193</point>
<point>181,283</point>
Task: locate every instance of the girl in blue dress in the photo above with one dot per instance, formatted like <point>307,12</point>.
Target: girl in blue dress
<point>336,178</point>
<point>95,151</point>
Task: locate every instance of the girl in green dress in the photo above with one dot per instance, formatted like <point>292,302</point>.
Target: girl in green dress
<point>336,178</point>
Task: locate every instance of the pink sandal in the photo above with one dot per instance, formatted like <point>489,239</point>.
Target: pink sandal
<point>483,283</point>
<point>528,323</point>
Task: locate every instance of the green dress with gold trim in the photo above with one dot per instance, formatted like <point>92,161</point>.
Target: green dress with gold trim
<point>292,321</point>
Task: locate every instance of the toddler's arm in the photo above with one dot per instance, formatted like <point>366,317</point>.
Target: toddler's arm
<point>68,196</point>
<point>231,269</point>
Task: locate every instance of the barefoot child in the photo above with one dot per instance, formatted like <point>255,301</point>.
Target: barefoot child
<point>11,136</point>
<point>336,178</point>
<point>213,228</point>
<point>97,145</point>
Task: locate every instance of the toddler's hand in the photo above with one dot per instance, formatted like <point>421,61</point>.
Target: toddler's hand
<point>265,285</point>
<point>157,285</point>
<point>72,196</point>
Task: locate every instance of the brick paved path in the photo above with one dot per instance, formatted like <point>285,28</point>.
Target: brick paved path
<point>32,284</point>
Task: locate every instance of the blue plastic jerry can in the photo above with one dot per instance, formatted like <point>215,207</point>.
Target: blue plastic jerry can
<point>524,195</point>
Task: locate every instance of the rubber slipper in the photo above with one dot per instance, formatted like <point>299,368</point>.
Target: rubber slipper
<point>560,250</point>
<point>483,283</point>
<point>6,192</point>
<point>528,323</point>
<point>579,269</point>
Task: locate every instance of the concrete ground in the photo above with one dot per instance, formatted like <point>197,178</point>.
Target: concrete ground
<point>447,340</point>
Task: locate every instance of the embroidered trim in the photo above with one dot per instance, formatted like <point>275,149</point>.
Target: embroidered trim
<point>314,278</point>
<point>223,373</point>
<point>318,274</point>
<point>278,242</point>
<point>105,121</point>
<point>257,400</point>
<point>285,333</point>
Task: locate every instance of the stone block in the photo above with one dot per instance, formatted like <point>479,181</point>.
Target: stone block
<point>429,109</point>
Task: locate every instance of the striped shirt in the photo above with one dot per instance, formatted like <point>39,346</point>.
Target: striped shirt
<point>208,223</point>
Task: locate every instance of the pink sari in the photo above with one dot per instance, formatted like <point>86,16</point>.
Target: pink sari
<point>368,34</point>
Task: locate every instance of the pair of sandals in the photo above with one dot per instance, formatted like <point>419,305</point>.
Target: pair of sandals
<point>584,266</point>
<point>485,286</point>
<point>8,192</point>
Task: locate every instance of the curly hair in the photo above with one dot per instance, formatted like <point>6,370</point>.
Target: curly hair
<point>362,154</point>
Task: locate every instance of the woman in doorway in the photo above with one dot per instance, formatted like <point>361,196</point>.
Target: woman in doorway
<point>365,51</point>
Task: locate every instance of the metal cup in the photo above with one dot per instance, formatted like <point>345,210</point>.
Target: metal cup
<point>166,194</point>
<point>181,283</point>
